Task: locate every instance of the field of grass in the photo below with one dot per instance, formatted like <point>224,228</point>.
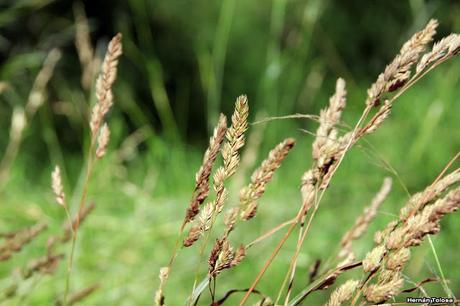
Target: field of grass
<point>181,66</point>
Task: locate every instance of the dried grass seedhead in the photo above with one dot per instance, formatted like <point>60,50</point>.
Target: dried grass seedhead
<point>397,260</point>
<point>159,296</point>
<point>83,44</point>
<point>445,48</point>
<point>223,257</point>
<point>193,236</point>
<point>421,39</point>
<point>202,177</point>
<point>235,136</point>
<point>202,225</point>
<point>82,294</point>
<point>384,290</point>
<point>419,200</point>
<point>18,239</point>
<point>329,117</point>
<point>397,73</point>
<point>260,178</point>
<point>374,258</point>
<point>103,141</point>
<point>104,84</point>
<point>230,219</point>
<point>45,265</point>
<point>56,184</point>
<point>343,293</point>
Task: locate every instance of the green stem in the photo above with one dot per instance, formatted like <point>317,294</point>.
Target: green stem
<point>89,169</point>
<point>438,264</point>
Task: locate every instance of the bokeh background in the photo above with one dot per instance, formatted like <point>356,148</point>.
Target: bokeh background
<point>185,62</point>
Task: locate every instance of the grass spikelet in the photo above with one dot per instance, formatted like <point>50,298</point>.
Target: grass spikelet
<point>83,45</point>
<point>421,39</point>
<point>374,258</point>
<point>203,174</point>
<point>56,184</point>
<point>103,141</point>
<point>329,117</point>
<point>261,177</point>
<point>230,154</point>
<point>230,219</point>
<point>159,296</point>
<point>16,242</point>
<point>224,259</point>
<point>398,72</point>
<point>45,265</point>
<point>82,294</point>
<point>235,136</point>
<point>397,260</point>
<point>445,48</point>
<point>104,84</point>
<point>343,293</point>
<point>382,291</point>
<point>419,200</point>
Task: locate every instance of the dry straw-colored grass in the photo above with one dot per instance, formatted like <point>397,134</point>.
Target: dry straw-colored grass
<point>382,267</point>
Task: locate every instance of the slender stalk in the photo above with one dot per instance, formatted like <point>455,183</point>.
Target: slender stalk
<point>438,264</point>
<point>75,228</point>
<point>270,233</point>
<point>300,239</point>
<point>202,248</point>
<point>273,255</point>
<point>69,267</point>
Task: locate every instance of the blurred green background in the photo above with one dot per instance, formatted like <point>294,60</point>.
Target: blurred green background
<point>185,62</point>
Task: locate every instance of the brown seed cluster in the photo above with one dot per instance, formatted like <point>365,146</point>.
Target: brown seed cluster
<point>395,241</point>
<point>326,148</point>
<point>420,217</point>
<point>397,73</point>
<point>343,293</point>
<point>230,154</point>
<point>15,241</point>
<point>104,84</point>
<point>224,257</point>
<point>202,177</point>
